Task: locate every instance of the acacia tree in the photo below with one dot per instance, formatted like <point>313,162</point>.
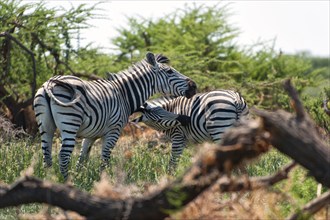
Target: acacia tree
<point>46,34</point>
<point>199,40</point>
<point>203,44</point>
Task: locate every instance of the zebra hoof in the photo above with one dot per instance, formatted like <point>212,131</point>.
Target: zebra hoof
<point>103,166</point>
<point>171,171</point>
<point>78,167</point>
<point>47,165</point>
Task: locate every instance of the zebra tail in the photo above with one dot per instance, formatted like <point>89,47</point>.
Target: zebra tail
<point>48,89</point>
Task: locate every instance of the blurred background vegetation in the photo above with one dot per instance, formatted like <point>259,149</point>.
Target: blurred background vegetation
<point>199,40</point>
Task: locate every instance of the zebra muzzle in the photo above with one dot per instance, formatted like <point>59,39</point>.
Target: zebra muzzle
<point>192,89</point>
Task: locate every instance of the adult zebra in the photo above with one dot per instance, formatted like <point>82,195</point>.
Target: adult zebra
<point>101,108</point>
<point>211,114</point>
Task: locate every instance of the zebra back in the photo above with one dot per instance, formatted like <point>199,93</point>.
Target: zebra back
<point>215,106</point>
<point>210,113</point>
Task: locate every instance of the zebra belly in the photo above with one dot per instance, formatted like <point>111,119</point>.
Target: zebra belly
<point>90,133</point>
<point>196,136</point>
<point>88,129</point>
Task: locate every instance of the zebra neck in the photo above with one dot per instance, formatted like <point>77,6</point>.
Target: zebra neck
<point>136,84</point>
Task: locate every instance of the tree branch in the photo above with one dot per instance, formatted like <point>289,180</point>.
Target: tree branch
<point>30,190</point>
<point>244,142</point>
<point>9,36</point>
<point>312,207</point>
<point>246,184</point>
<point>295,101</point>
<point>58,61</point>
<point>297,137</point>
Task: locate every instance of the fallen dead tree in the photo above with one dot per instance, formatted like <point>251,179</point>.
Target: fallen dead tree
<point>204,173</point>
<point>297,137</point>
<point>247,141</point>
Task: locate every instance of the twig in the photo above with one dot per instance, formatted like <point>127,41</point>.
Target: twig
<point>312,207</point>
<point>298,138</point>
<point>9,36</point>
<point>246,184</point>
<point>296,103</point>
<point>56,55</point>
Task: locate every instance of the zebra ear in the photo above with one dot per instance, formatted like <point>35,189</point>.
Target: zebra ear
<point>151,59</point>
<point>184,120</point>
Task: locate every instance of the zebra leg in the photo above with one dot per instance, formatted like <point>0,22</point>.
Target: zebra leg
<point>68,142</point>
<point>85,151</point>
<point>68,120</point>
<point>46,144</point>
<point>109,142</point>
<point>46,125</point>
<point>178,144</point>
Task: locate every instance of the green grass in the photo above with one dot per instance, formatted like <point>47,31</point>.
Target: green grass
<point>299,188</point>
<point>135,162</point>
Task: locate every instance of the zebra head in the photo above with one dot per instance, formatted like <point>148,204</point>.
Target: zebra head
<point>158,118</point>
<point>169,80</point>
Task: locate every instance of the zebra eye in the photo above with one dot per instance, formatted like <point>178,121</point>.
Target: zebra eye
<point>170,71</point>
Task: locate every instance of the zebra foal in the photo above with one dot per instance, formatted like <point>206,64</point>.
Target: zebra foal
<point>101,108</point>
<point>210,113</point>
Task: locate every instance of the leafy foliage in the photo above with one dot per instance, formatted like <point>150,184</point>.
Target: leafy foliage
<point>87,61</point>
<point>47,33</point>
<point>201,44</point>
<point>199,40</point>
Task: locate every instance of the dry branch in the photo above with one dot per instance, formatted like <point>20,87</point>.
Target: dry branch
<point>295,101</point>
<point>10,37</point>
<point>55,53</point>
<point>246,184</point>
<point>246,141</point>
<point>312,207</point>
<point>297,137</point>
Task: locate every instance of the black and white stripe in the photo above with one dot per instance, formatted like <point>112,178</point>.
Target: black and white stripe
<point>101,108</point>
<point>160,118</point>
<point>210,113</point>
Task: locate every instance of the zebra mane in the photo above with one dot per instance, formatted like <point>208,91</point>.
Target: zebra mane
<point>110,76</point>
<point>160,58</point>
